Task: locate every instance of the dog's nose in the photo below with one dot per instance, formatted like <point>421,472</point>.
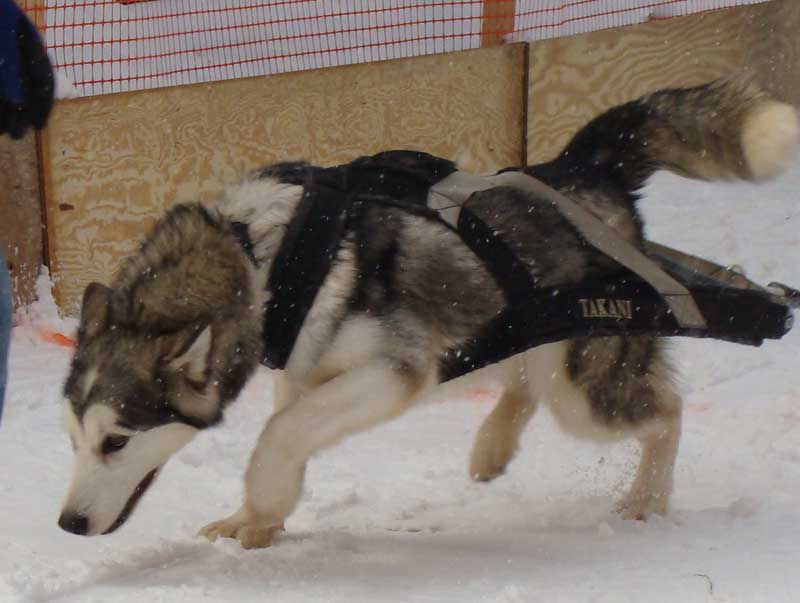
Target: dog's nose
<point>74,523</point>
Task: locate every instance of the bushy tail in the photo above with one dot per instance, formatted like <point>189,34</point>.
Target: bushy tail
<point>725,129</point>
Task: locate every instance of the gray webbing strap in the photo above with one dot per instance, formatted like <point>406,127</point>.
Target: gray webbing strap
<point>448,195</point>
<point>451,193</point>
<point>727,275</point>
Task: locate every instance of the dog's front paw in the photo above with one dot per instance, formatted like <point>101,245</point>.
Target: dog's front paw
<point>489,462</point>
<point>490,454</point>
<point>251,533</point>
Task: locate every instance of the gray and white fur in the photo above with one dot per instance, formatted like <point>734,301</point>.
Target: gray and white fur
<point>170,343</point>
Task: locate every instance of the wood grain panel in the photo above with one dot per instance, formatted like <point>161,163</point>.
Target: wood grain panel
<point>113,163</point>
<point>571,80</point>
<point>770,37</point>
<point>20,214</point>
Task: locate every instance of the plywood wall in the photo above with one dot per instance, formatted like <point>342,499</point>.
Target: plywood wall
<point>114,163</point>
<point>770,37</point>
<point>20,214</point>
<point>571,80</point>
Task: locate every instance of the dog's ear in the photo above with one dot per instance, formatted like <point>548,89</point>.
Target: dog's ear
<point>187,360</point>
<point>95,309</point>
<point>189,353</point>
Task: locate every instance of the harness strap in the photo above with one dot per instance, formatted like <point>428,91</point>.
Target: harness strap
<point>447,198</point>
<point>458,187</point>
<point>626,306</point>
<point>508,271</point>
<point>300,267</point>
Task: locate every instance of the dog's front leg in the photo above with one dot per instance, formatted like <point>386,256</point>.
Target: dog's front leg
<point>352,402</point>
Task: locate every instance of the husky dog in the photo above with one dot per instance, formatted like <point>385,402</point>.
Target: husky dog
<point>165,348</point>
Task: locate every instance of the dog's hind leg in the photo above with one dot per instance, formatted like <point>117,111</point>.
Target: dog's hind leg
<point>652,486</point>
<point>349,403</point>
<point>628,387</point>
<point>498,437</point>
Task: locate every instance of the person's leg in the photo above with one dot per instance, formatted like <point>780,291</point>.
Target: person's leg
<point>5,325</point>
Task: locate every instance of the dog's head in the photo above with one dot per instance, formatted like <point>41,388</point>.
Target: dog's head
<point>134,397</point>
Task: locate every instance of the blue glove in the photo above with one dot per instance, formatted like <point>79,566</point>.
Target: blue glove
<point>26,76</point>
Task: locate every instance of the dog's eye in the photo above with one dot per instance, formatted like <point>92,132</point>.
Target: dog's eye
<point>114,443</point>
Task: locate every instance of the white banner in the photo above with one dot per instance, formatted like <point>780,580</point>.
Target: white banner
<point>541,19</point>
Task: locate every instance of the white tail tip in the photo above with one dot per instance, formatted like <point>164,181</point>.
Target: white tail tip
<point>770,135</point>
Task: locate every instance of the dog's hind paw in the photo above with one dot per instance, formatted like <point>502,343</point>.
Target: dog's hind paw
<point>250,534</point>
<point>640,508</point>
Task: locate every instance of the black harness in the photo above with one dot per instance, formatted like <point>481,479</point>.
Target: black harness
<point>331,198</point>
<point>623,305</point>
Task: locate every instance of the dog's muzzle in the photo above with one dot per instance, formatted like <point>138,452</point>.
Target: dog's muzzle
<point>138,492</point>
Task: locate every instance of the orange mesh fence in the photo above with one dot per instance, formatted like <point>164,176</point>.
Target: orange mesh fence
<point>105,46</point>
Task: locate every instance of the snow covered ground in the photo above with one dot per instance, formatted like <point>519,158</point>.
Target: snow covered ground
<point>391,515</point>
